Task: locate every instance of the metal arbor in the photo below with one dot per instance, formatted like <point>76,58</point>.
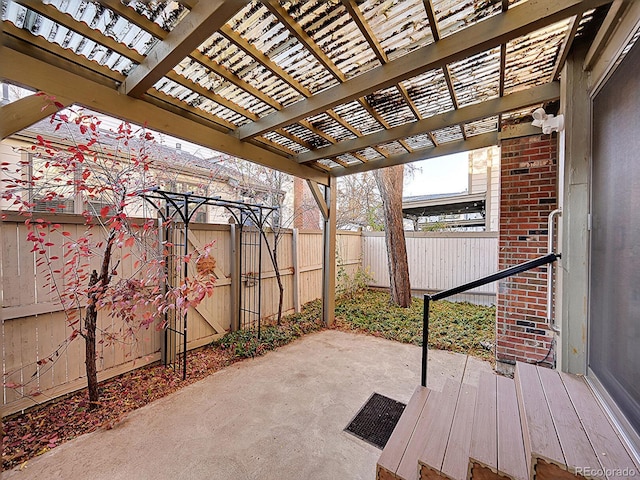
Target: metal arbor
<point>176,211</point>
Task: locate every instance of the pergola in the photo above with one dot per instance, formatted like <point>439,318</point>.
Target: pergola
<point>317,89</point>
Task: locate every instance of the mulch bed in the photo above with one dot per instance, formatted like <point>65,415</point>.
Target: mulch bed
<point>39,430</point>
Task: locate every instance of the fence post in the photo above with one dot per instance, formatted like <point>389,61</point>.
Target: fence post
<point>296,273</point>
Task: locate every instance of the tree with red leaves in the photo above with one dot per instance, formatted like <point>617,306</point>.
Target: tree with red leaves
<point>104,173</point>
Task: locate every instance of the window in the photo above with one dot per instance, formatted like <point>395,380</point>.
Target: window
<point>52,186</point>
<point>201,215</point>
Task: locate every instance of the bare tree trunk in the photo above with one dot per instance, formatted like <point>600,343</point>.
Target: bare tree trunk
<point>97,287</point>
<point>273,255</point>
<point>90,324</point>
<point>389,182</point>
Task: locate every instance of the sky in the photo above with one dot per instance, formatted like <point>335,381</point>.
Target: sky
<point>448,174</point>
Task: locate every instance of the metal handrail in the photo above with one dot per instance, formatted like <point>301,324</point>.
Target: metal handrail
<point>508,272</point>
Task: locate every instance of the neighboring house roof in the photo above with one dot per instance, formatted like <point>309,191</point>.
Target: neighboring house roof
<point>443,204</point>
<point>172,157</point>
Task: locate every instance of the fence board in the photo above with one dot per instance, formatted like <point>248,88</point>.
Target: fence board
<point>34,324</point>
<point>438,261</point>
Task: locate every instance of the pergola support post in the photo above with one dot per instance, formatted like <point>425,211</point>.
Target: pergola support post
<point>329,257</point>
<point>296,270</point>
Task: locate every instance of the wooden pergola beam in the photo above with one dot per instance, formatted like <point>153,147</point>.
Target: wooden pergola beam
<point>309,43</point>
<point>206,93</point>
<point>235,38</point>
<point>366,31</point>
<point>566,47</point>
<point>37,46</point>
<point>26,70</point>
<point>303,37</point>
<point>610,23</point>
<point>489,33</point>
<point>134,17</point>
<point>221,71</point>
<point>375,45</point>
<point>26,111</point>
<point>470,113</point>
<point>435,32</point>
<point>52,13</point>
<point>318,196</point>
<point>472,143</point>
<point>201,22</point>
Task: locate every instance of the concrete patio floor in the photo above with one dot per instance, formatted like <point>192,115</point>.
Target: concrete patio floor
<point>280,416</point>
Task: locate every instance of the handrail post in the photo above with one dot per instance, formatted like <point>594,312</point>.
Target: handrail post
<point>425,338</point>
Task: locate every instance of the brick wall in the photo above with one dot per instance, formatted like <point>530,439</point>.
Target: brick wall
<point>528,194</point>
<point>306,211</point>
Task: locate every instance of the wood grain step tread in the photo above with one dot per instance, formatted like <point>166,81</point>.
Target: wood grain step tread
<point>576,447</point>
<point>606,443</point>
<point>483,452</point>
<point>456,456</point>
<point>395,448</point>
<point>540,438</point>
<point>511,453</point>
<point>432,428</point>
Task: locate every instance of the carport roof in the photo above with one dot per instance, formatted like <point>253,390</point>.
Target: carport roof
<point>313,88</point>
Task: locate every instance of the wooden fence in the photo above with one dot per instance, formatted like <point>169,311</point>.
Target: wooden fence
<point>438,261</point>
<point>34,325</point>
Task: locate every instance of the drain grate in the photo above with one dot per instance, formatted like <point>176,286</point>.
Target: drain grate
<point>376,420</point>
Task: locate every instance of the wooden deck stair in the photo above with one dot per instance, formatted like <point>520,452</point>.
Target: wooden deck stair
<point>542,425</point>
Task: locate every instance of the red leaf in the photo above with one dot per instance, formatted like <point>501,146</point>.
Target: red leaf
<point>104,211</point>
<point>66,234</point>
<point>129,242</point>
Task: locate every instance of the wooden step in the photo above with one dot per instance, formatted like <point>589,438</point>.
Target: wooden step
<point>497,445</point>
<point>452,461</point>
<point>576,448</point>
<point>540,439</point>
<point>511,452</point>
<point>395,448</point>
<point>432,429</point>
<point>603,437</point>
<point>483,452</point>
<point>567,434</point>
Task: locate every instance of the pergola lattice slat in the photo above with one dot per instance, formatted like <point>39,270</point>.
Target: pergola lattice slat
<point>515,22</point>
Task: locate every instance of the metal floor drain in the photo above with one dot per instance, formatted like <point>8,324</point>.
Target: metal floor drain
<point>376,420</point>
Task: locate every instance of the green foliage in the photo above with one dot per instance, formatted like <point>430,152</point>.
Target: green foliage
<point>458,327</point>
<point>438,226</point>
<point>348,285</point>
<point>374,222</point>
<point>246,344</point>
